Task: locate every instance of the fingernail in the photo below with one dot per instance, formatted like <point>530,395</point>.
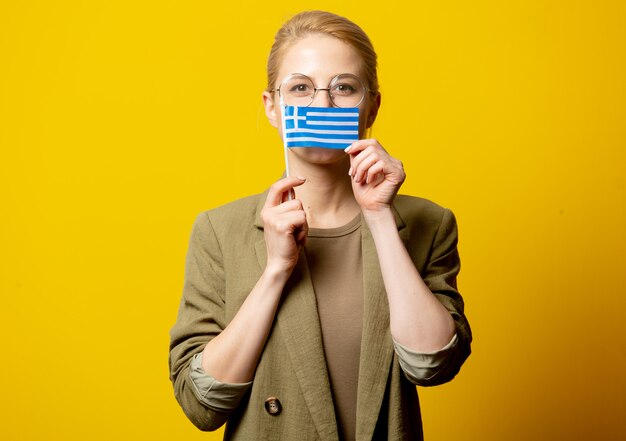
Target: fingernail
<point>301,178</point>
<point>350,172</point>
<point>347,149</point>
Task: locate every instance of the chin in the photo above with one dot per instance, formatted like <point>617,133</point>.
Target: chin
<point>318,155</point>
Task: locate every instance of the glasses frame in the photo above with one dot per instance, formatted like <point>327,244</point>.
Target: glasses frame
<point>327,88</point>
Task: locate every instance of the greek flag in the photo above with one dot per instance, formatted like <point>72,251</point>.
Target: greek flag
<point>327,127</point>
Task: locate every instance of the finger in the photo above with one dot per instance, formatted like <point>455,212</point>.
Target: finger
<point>301,239</point>
<point>302,242</point>
<point>362,168</point>
<point>279,188</point>
<point>363,157</point>
<point>285,225</point>
<point>355,160</point>
<point>361,145</point>
<point>289,195</point>
<point>292,205</point>
<point>270,215</point>
<point>302,233</point>
<point>375,171</point>
<point>290,222</point>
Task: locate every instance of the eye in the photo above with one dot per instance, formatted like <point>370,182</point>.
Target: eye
<point>344,89</point>
<point>300,89</point>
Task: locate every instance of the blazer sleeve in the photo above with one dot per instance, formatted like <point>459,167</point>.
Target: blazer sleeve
<point>200,318</point>
<point>439,274</point>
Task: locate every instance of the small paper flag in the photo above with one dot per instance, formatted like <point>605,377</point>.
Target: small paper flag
<point>327,127</point>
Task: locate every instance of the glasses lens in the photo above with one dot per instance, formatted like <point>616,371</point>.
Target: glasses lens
<point>347,90</point>
<point>297,90</point>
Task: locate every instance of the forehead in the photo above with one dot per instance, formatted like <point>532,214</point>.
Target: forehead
<point>320,57</point>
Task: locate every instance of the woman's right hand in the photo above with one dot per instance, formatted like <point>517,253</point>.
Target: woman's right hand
<point>233,355</point>
<point>284,223</point>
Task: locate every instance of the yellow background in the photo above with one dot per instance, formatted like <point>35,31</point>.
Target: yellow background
<point>121,120</point>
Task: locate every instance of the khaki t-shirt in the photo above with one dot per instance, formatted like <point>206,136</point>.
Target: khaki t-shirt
<point>334,259</point>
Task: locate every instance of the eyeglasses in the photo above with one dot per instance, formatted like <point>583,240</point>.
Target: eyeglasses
<point>344,90</point>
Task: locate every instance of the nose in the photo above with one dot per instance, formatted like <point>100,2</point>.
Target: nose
<point>322,98</point>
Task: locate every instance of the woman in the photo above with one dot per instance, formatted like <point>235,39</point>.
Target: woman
<point>310,312</point>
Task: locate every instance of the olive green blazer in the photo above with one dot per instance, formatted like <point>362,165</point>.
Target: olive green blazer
<point>226,258</point>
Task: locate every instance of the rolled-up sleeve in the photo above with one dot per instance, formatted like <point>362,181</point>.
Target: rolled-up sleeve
<point>440,274</point>
<point>200,318</point>
<point>421,368</point>
<point>218,396</point>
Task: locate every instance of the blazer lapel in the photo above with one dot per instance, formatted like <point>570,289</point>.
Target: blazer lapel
<point>376,344</point>
<point>298,322</point>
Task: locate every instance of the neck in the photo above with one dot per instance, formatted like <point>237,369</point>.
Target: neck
<point>327,193</point>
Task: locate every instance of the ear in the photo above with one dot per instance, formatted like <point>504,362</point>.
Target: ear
<point>373,110</point>
<point>270,108</point>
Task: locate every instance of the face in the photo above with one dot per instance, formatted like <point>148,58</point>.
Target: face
<point>321,58</point>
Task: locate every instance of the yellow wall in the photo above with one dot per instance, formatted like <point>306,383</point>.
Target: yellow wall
<point>120,121</point>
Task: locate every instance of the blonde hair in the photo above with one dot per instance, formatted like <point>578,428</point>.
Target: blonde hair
<point>326,23</point>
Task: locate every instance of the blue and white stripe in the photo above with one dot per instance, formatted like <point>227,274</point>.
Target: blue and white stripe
<point>327,127</point>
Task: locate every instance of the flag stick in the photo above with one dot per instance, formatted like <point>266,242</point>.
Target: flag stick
<point>284,124</point>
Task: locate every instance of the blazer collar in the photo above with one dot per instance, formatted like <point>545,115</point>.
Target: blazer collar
<point>298,321</point>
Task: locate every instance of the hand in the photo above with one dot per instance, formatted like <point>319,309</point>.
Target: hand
<point>376,176</point>
<point>284,223</point>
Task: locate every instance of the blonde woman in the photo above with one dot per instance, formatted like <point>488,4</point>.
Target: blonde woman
<point>311,311</point>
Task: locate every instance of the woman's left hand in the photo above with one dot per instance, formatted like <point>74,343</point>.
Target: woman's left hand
<point>376,176</point>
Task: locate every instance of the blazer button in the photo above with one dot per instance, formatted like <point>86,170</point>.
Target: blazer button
<point>273,406</point>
